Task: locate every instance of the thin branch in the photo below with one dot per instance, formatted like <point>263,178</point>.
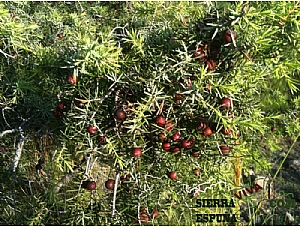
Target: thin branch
<point>15,163</point>
<point>115,195</point>
<point>5,54</point>
<point>7,132</point>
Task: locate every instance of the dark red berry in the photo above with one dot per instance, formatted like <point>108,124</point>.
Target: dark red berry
<point>120,114</point>
<point>186,144</point>
<point>161,121</point>
<point>210,64</point>
<point>226,36</point>
<point>198,52</point>
<point>169,126</point>
<point>137,152</point>
<point>176,137</point>
<point>91,185</point>
<point>110,184</point>
<point>57,113</point>
<point>166,146</point>
<point>161,136</point>
<point>61,106</point>
<point>195,154</point>
<point>226,131</point>
<point>202,124</point>
<point>144,218</point>
<point>178,96</point>
<point>188,82</point>
<point>102,140</point>
<point>225,150</point>
<point>175,150</point>
<point>92,129</point>
<point>226,103</point>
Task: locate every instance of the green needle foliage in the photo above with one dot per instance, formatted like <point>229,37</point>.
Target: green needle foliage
<point>66,66</point>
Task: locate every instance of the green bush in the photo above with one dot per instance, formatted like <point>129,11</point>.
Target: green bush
<point>140,57</point>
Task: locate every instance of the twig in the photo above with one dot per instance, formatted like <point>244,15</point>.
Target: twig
<point>5,54</point>
<point>18,152</point>
<point>115,195</point>
<point>7,132</point>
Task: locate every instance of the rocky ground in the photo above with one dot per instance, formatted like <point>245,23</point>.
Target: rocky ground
<point>286,186</point>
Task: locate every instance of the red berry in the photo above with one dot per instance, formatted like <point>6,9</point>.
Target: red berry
<point>143,211</point>
<point>137,152</point>
<point>188,82</point>
<point>91,185</point>
<point>120,114</point>
<point>186,144</point>
<point>60,35</point>
<point>169,126</point>
<point>175,150</point>
<point>225,150</point>
<point>110,184</point>
<point>161,136</point>
<point>61,106</point>
<point>226,36</point>
<point>166,146</point>
<point>226,131</point>
<point>178,96</point>
<point>198,52</point>
<point>210,64</point>
<point>195,154</point>
<point>161,121</point>
<point>72,79</point>
<point>92,129</point>
<point>176,137</point>
<point>173,175</point>
<point>144,218</point>
<point>226,103</point>
<point>155,213</point>
<point>102,140</point>
<point>57,113</point>
<point>202,124</point>
<point>207,131</point>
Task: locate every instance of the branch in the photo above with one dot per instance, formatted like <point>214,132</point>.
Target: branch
<point>5,54</point>
<point>115,194</point>
<point>7,132</point>
<point>20,145</point>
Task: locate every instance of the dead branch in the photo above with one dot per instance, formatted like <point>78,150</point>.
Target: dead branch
<point>17,157</point>
<point>7,132</point>
<point>115,194</point>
